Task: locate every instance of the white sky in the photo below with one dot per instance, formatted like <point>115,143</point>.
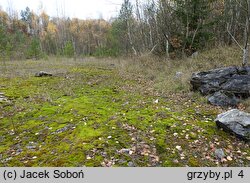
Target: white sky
<point>73,8</point>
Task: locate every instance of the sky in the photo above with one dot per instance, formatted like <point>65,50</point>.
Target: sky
<point>83,9</point>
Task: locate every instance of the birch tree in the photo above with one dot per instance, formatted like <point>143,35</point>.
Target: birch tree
<point>242,7</point>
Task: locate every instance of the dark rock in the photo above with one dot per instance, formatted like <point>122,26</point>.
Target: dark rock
<point>43,74</point>
<point>239,85</point>
<point>209,88</point>
<point>223,99</point>
<point>226,86</point>
<point>219,153</point>
<point>244,70</point>
<point>213,77</point>
<point>236,122</point>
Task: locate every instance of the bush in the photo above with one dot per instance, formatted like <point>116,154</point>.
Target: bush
<point>104,52</point>
<point>68,49</point>
<point>34,50</point>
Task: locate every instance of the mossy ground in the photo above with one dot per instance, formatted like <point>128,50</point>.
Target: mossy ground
<point>91,114</point>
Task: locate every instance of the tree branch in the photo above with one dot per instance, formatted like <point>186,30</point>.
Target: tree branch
<point>234,39</point>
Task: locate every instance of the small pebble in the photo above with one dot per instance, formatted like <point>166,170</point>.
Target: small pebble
<point>175,134</point>
<point>88,158</point>
<point>175,161</point>
<point>179,148</point>
<point>229,158</point>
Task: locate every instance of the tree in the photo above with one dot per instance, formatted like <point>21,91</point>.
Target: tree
<point>246,35</point>
<point>26,16</point>
<point>68,49</point>
<point>244,8</point>
<point>126,20</point>
<point>194,17</point>
<point>34,49</point>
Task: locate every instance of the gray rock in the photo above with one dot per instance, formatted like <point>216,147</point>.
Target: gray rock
<point>239,85</point>
<point>131,164</point>
<point>244,70</point>
<point>221,99</point>
<point>236,122</point>
<point>126,151</point>
<point>210,88</point>
<point>43,74</point>
<point>226,86</point>
<point>213,78</point>
<point>219,153</point>
<point>195,54</point>
<point>178,75</point>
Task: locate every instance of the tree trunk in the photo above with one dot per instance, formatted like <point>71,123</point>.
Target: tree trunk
<point>130,38</point>
<point>167,48</point>
<point>246,36</point>
<point>245,55</point>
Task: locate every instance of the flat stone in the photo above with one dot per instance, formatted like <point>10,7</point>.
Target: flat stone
<point>43,74</point>
<point>236,122</point>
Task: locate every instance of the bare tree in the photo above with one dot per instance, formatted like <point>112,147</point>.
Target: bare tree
<point>245,47</point>
<point>246,36</point>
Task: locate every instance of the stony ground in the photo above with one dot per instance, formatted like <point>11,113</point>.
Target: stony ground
<point>92,114</point>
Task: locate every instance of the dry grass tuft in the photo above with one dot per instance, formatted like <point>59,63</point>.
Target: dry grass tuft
<point>169,76</point>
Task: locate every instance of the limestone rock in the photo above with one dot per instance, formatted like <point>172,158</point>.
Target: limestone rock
<point>223,99</point>
<point>211,80</point>
<point>236,122</point>
<point>226,86</point>
<point>43,74</point>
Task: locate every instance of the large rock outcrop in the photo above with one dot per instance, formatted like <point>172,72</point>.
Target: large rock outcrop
<point>225,86</point>
<point>236,122</point>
